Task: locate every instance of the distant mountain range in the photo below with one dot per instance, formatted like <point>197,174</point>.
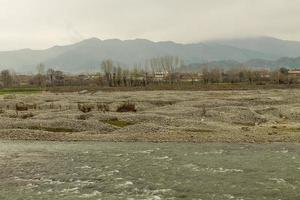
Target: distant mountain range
<point>286,62</point>
<point>86,56</point>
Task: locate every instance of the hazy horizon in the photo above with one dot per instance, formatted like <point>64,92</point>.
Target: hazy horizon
<point>39,24</point>
<point>157,41</point>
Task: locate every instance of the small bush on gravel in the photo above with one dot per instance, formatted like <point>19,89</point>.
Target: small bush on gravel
<point>27,115</point>
<point>118,123</point>
<point>85,108</point>
<point>127,107</point>
<point>21,106</point>
<point>204,111</point>
<point>103,107</point>
<point>83,117</point>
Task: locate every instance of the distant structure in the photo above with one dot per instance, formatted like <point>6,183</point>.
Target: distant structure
<point>294,74</point>
<point>191,77</point>
<point>265,74</point>
<point>160,76</point>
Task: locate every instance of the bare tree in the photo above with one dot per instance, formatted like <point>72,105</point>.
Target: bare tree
<point>107,68</point>
<point>205,75</point>
<point>40,69</point>
<point>40,79</point>
<point>51,76</point>
<point>7,78</point>
<point>215,75</point>
<point>170,64</point>
<point>125,75</point>
<point>119,75</point>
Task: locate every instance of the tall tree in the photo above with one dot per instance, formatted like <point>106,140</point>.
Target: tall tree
<point>107,68</point>
<point>7,78</point>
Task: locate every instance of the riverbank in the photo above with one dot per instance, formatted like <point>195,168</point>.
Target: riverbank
<point>236,116</point>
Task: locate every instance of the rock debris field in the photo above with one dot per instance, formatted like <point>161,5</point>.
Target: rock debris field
<point>254,116</point>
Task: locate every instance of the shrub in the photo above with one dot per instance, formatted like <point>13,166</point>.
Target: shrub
<point>83,117</point>
<point>118,123</point>
<point>85,108</point>
<point>21,106</point>
<point>103,107</point>
<point>26,115</point>
<point>127,107</point>
<point>203,112</point>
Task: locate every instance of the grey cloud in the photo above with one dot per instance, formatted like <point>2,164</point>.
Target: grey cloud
<point>44,23</point>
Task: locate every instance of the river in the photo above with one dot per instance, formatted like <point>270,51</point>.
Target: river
<point>95,170</point>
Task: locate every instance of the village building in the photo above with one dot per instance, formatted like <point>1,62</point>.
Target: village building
<point>190,77</point>
<point>265,74</point>
<point>160,76</point>
<point>294,75</point>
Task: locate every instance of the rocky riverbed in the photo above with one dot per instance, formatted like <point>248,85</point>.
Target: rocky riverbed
<point>254,116</point>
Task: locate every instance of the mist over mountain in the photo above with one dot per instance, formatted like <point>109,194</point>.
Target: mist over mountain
<point>86,56</point>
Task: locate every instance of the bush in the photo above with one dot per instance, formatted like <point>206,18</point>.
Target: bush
<point>26,115</point>
<point>118,123</point>
<point>103,107</point>
<point>83,117</point>
<point>127,107</point>
<point>85,108</point>
<point>21,106</point>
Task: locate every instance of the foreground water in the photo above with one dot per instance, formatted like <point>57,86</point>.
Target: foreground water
<point>45,170</point>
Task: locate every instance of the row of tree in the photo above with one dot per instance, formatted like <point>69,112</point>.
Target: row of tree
<point>250,75</point>
<point>115,75</point>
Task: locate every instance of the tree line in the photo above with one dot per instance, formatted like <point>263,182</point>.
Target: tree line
<point>112,74</point>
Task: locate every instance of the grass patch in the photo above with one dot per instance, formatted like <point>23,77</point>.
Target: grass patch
<point>21,90</point>
<point>118,123</point>
<point>162,103</point>
<point>286,128</point>
<point>53,129</point>
<point>291,129</point>
<point>200,130</point>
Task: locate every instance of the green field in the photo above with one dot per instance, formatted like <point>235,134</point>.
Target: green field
<point>20,90</point>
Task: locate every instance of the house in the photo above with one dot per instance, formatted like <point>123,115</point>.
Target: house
<point>55,77</point>
<point>159,76</point>
<point>294,75</point>
<point>261,75</point>
<point>191,77</point>
<point>264,74</point>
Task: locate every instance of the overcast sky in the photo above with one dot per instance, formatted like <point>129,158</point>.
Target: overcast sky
<point>43,23</point>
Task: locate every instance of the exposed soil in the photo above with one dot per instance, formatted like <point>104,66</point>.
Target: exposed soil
<point>258,116</point>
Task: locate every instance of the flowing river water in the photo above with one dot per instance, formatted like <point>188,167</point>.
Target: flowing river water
<point>94,170</point>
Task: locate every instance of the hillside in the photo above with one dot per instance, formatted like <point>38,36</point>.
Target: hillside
<point>87,55</point>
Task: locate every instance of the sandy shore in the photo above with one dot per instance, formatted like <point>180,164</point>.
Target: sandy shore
<point>182,116</point>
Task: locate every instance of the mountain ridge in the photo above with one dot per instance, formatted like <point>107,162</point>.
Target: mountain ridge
<point>88,54</point>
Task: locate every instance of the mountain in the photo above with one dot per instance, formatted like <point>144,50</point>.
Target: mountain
<point>87,55</point>
<point>285,62</point>
<point>222,64</point>
<point>273,47</point>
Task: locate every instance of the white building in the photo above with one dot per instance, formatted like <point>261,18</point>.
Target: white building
<point>159,76</point>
